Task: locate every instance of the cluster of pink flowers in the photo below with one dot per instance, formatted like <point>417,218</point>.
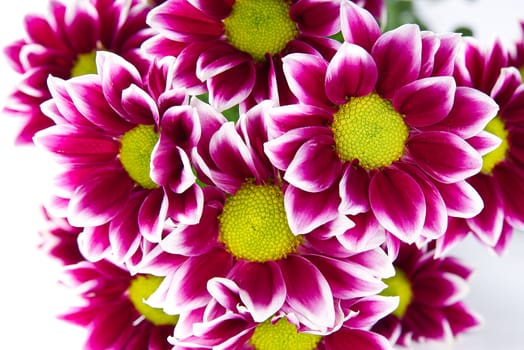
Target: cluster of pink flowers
<point>267,174</point>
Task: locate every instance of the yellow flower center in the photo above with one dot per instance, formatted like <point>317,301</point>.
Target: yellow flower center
<point>400,286</point>
<point>135,154</point>
<point>369,129</point>
<point>85,64</point>
<point>253,224</point>
<point>141,288</point>
<point>260,26</point>
<point>495,126</point>
<point>282,335</point>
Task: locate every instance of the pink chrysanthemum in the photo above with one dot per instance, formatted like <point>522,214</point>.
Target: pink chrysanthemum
<point>431,292</point>
<point>58,239</point>
<point>123,145</point>
<point>63,44</point>
<point>381,128</point>
<point>233,49</point>
<point>226,322</point>
<point>500,182</point>
<point>244,236</point>
<point>112,308</point>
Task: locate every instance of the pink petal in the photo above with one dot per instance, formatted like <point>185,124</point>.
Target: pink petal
<point>152,215</point>
<point>359,340</point>
<point>264,302</point>
<point>214,8</point>
<point>308,292</point>
<point>358,26</point>
<point>93,242</point>
<point>353,190</point>
<point>186,207</point>
<point>99,200</point>
<point>439,289</point>
<point>351,72</point>
<point>318,18</point>
<point>488,224</point>
<point>485,142</point>
<point>365,235</point>
<point>370,310</point>
<point>307,211</point>
<point>461,199</point>
<point>444,156</point>
<point>425,101</point>
<point>287,118</point>
<point>219,58</point>
<point>398,57</point>
<point>227,90</point>
<point>511,181</point>
<point>315,166</point>
<point>347,279</point>
<point>188,288</point>
<point>139,106</point>
<point>461,319</point>
<point>305,76</point>
<point>82,20</point>
<point>398,203</point>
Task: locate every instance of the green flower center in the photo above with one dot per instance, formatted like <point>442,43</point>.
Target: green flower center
<point>135,154</point>
<point>399,285</point>
<point>282,335</point>
<point>253,224</point>
<point>85,64</point>
<point>495,126</point>
<point>260,26</point>
<point>369,129</point>
<point>141,288</point>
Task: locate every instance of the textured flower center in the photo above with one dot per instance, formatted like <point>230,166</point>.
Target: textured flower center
<point>495,126</point>
<point>141,288</point>
<point>399,285</point>
<point>369,129</point>
<point>135,154</point>
<point>85,64</point>
<point>260,26</point>
<point>253,224</point>
<point>282,335</point>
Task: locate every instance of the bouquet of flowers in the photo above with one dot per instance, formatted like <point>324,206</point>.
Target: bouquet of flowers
<point>267,174</point>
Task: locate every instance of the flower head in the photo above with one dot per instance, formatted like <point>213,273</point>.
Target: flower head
<point>431,292</point>
<point>112,308</point>
<point>63,43</point>
<point>233,49</point>
<point>500,181</point>
<point>381,126</point>
<point>122,142</point>
<point>244,234</point>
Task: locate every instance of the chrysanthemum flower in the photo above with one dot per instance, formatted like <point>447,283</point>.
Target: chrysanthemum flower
<point>112,308</point>
<point>500,182</point>
<point>63,43</point>
<point>58,239</point>
<point>122,143</point>
<point>431,292</point>
<point>234,47</point>
<point>226,322</point>
<point>244,235</point>
<point>384,127</point>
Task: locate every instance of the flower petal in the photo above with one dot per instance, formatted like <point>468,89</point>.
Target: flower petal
<point>359,340</point>
<point>351,72</point>
<point>461,199</point>
<point>358,26</point>
<point>353,190</point>
<point>227,90</point>
<point>308,292</point>
<point>398,203</point>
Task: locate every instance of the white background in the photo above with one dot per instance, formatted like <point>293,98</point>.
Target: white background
<point>29,296</point>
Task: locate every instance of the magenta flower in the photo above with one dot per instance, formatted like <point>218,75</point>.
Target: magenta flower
<point>221,48</point>
<point>381,128</point>
<point>500,182</point>
<point>244,236</point>
<point>226,322</point>
<point>63,43</point>
<point>58,239</point>
<point>112,309</point>
<point>123,145</point>
<point>431,292</point>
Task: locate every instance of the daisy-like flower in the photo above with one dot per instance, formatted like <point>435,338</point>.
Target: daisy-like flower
<point>122,143</point>
<point>58,239</point>
<point>226,322</point>
<point>431,293</point>
<point>112,308</point>
<point>233,49</point>
<point>244,235</point>
<point>63,43</point>
<point>500,182</point>
<point>383,128</point>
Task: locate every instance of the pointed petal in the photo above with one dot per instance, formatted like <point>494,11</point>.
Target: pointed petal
<point>227,89</point>
<point>353,190</point>
<point>358,26</point>
<point>461,199</point>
